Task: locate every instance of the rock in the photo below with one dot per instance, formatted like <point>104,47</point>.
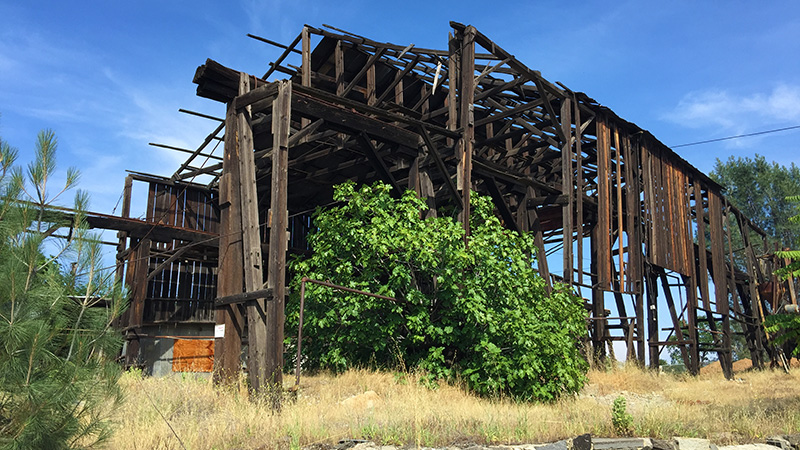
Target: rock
<point>560,445</point>
<point>726,438</point>
<point>365,445</point>
<point>622,444</point>
<point>779,441</point>
<point>582,442</point>
<point>346,444</point>
<point>794,440</point>
<point>748,447</point>
<point>694,444</point>
<point>664,444</point>
<point>368,399</point>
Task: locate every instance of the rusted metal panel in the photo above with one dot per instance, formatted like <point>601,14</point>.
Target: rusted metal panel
<point>193,355</point>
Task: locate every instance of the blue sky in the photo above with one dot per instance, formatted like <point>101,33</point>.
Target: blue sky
<point>109,77</point>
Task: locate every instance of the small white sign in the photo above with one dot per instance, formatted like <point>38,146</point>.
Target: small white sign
<point>219,331</point>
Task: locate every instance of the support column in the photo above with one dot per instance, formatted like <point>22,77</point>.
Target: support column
<point>251,242</point>
<point>466,120</point>
<point>652,316</point>
<point>568,189</point>
<point>278,235</point>
<point>598,299</point>
<point>227,350</point>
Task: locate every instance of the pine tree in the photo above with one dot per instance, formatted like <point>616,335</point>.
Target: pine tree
<point>57,346</point>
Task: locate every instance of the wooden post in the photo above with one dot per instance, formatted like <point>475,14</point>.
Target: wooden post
<point>719,278</point>
<point>123,235</point>
<point>138,266</point>
<point>568,189</point>
<point>652,316</point>
<point>702,254</point>
<point>251,255</point>
<point>279,222</point>
<point>598,299</point>
<point>579,187</point>
<point>227,350</point>
<point>466,120</point>
<point>304,122</point>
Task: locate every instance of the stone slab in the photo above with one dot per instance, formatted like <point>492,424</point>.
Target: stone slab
<point>622,444</point>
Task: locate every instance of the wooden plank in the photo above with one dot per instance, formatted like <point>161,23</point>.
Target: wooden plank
<point>244,297</point>
<point>199,150</point>
<point>501,205</point>
<point>603,227</point>
<point>276,265</point>
<point>676,324</point>
<point>702,276</point>
<point>466,94</point>
<point>579,188</point>
<point>717,251</point>
<point>428,193</point>
<point>303,35</point>
<point>652,317</point>
<point>437,158</point>
<point>629,209</point>
<point>363,71</point>
<point>533,224</point>
<point>568,189</point>
<point>138,285</point>
<point>396,86</point>
<point>338,59</point>
<point>377,162</point>
<point>230,276</point>
<point>251,256</point>
<point>346,120</point>
<point>619,208</point>
<point>598,297</point>
<point>306,67</point>
<point>121,235</point>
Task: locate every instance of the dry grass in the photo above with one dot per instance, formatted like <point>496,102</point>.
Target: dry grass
<point>406,412</point>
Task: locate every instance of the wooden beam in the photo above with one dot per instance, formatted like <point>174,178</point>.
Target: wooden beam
<point>288,49</point>
<point>199,150</point>
<point>251,241</point>
<point>279,224</point>
<point>243,297</point>
<point>357,78</point>
<point>500,203</point>
<point>230,276</point>
<point>352,122</point>
<point>466,99</point>
<point>437,158</point>
<point>377,162</point>
<point>568,189</point>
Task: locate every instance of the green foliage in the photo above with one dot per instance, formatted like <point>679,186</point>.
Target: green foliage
<point>620,418</point>
<point>793,268</point>
<point>479,313</point>
<point>784,328</point>
<point>57,375</point>
<point>760,190</point>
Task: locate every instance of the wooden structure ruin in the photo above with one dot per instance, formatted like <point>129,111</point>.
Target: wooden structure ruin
<point>636,226</point>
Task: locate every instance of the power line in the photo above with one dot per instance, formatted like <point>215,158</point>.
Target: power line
<point>738,136</point>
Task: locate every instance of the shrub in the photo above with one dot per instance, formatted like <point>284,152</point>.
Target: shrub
<point>478,312</point>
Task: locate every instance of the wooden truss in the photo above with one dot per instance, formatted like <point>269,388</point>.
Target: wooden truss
<point>590,186</point>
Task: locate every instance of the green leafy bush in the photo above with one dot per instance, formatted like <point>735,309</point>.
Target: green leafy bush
<point>479,313</point>
<point>620,418</point>
<point>786,327</point>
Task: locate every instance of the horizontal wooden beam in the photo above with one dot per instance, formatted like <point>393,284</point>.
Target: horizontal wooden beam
<point>243,297</point>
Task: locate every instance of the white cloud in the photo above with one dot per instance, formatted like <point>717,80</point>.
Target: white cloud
<point>734,113</point>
